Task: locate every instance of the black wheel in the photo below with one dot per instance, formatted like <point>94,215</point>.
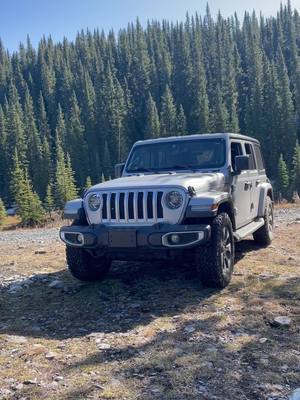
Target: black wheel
<point>215,261</point>
<point>84,266</point>
<point>264,235</point>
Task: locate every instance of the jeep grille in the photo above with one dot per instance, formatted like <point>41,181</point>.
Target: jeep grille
<point>129,206</point>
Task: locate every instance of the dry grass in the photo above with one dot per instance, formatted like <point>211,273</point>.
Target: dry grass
<point>168,337</point>
<point>10,223</point>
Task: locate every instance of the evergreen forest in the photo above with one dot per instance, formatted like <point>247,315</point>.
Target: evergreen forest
<point>70,110</point>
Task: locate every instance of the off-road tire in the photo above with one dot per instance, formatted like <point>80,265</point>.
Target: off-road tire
<point>214,271</point>
<point>84,266</point>
<point>264,235</point>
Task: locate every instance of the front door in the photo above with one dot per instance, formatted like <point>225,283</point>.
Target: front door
<point>241,190</point>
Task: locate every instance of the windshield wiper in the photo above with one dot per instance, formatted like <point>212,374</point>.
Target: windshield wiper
<point>191,167</point>
<point>137,170</point>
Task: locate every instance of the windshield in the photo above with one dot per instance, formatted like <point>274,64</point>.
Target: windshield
<point>177,155</point>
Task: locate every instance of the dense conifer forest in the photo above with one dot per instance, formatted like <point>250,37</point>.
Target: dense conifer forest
<point>69,111</point>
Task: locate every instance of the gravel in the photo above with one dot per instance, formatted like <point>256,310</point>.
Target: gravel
<point>287,214</point>
<point>23,236</point>
<point>49,235</point>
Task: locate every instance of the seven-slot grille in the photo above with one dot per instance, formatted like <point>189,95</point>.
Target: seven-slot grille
<point>132,206</point>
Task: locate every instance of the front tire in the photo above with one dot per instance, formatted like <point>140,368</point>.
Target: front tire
<point>264,235</point>
<point>84,266</point>
<point>215,261</point>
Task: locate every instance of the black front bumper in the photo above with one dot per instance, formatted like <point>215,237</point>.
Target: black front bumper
<point>134,238</point>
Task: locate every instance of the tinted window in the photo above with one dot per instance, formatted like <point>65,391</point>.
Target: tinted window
<point>236,150</point>
<point>178,155</point>
<point>249,151</point>
<point>259,159</point>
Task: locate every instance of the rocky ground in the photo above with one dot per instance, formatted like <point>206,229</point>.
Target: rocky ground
<point>149,331</point>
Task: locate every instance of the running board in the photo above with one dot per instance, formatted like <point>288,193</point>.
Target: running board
<point>248,229</point>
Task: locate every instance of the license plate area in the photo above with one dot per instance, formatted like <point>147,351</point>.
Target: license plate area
<point>122,238</point>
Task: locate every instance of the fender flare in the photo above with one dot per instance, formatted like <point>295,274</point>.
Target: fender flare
<point>73,209</point>
<point>265,188</point>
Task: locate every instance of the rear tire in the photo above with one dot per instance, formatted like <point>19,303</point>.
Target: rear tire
<point>264,235</point>
<point>215,260</point>
<point>84,266</point>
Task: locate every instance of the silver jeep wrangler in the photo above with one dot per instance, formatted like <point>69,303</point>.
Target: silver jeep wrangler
<point>186,199</point>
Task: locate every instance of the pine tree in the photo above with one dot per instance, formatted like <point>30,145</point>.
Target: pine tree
<point>181,122</point>
<point>28,204</point>
<point>34,146</point>
<point>88,183</point>
<point>152,125</point>
<point>75,141</point>
<point>168,114</point>
<point>283,177</point>
<point>2,212</point>
<point>65,188</point>
<point>49,200</point>
<point>295,176</point>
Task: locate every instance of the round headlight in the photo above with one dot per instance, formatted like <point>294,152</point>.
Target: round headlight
<point>94,202</point>
<point>174,199</point>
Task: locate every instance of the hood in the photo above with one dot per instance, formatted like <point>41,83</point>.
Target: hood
<point>201,182</point>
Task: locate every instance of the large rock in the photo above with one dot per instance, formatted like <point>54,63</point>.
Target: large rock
<point>282,321</point>
<point>295,395</point>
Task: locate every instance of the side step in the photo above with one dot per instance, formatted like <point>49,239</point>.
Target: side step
<point>248,229</point>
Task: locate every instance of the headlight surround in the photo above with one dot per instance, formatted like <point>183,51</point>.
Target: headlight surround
<point>174,199</point>
<point>94,201</point>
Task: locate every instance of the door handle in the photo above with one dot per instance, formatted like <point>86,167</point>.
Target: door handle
<point>248,185</point>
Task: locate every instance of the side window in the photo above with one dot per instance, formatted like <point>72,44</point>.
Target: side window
<point>236,150</point>
<point>259,159</point>
<point>249,151</point>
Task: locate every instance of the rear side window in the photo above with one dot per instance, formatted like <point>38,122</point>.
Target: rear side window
<point>258,156</point>
<point>249,151</point>
<point>236,150</point>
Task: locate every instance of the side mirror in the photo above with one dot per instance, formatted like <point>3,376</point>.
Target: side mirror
<point>242,163</point>
<point>119,170</point>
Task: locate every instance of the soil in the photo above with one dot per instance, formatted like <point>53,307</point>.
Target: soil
<point>150,330</point>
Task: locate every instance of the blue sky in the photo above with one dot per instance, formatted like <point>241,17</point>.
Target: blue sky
<point>66,17</point>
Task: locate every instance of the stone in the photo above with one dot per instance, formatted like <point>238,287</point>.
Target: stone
<point>202,389</point>
<point>16,339</point>
<point>189,329</point>
<point>40,252</point>
<point>56,284</point>
<point>103,346</point>
<point>58,378</point>
<point>18,386</point>
<point>4,393</point>
<point>282,321</point>
<point>30,381</point>
<point>263,340</point>
<point>295,395</point>
<point>50,355</point>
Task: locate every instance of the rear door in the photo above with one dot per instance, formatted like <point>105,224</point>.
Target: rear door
<point>240,189</point>
<point>260,178</point>
<point>253,177</point>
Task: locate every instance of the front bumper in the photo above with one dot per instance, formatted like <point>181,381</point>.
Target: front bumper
<point>157,237</point>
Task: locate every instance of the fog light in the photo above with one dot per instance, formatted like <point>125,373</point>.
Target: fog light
<point>175,239</point>
<point>79,239</point>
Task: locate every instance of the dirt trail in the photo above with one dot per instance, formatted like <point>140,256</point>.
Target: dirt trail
<point>150,331</point>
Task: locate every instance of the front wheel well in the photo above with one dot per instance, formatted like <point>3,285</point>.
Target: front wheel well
<point>270,194</point>
<point>227,207</point>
